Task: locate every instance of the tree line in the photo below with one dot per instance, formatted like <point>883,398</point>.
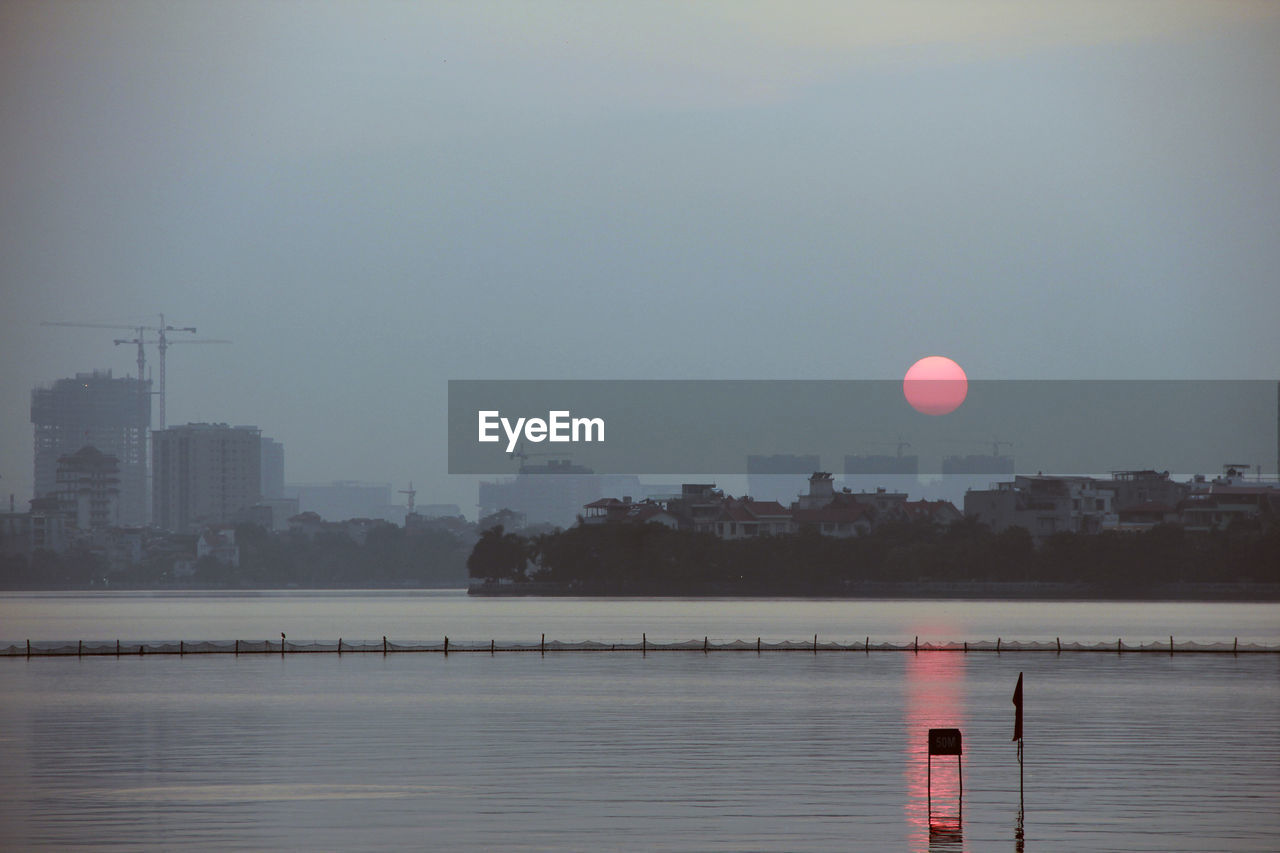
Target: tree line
<point>388,557</point>
<point>654,559</point>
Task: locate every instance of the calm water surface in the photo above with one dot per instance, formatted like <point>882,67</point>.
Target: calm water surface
<point>669,751</point>
<point>431,614</point>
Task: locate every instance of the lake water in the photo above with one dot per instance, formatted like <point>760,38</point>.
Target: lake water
<point>664,751</point>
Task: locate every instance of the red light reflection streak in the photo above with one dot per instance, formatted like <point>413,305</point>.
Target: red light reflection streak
<point>935,699</point>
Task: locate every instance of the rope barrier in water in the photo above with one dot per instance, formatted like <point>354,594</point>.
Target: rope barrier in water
<point>706,645</point>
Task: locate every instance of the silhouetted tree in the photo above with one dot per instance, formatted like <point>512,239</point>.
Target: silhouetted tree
<point>498,555</point>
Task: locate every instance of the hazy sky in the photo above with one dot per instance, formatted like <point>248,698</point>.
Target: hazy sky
<point>372,198</point>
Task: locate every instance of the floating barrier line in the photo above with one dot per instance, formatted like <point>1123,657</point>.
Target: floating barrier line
<point>1000,646</point>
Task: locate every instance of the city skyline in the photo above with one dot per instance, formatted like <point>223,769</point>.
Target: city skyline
<point>393,197</point>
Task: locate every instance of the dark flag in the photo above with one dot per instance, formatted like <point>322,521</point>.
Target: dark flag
<point>1017,714</point>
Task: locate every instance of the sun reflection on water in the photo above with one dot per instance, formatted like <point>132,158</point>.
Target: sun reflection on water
<point>935,699</point>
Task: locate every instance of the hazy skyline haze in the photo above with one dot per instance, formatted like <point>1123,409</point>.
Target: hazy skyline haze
<point>372,199</point>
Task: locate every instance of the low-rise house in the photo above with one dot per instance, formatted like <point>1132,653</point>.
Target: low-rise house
<point>604,510</point>
<point>698,506</point>
<point>1224,505</point>
<point>626,511</point>
<point>1043,505</point>
<point>123,546</point>
<point>940,513</point>
<point>703,508</point>
<point>1134,488</point>
<point>838,518</point>
<point>1145,516</point>
<point>652,513</point>
<point>1042,513</point>
<point>822,491</point>
<point>45,526</point>
<point>220,544</point>
<point>885,505</point>
<point>744,518</point>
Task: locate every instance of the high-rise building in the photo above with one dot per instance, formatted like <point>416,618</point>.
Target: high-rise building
<point>272,468</point>
<point>89,487</point>
<point>204,474</point>
<point>112,415</point>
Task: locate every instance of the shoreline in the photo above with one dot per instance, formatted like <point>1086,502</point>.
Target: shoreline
<point>923,590</point>
<point>950,590</point>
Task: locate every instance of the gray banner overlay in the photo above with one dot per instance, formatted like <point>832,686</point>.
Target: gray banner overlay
<point>714,426</point>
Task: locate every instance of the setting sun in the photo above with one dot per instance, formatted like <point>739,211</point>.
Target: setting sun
<point>935,385</point>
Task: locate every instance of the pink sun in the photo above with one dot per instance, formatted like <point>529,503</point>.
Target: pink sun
<point>935,385</point>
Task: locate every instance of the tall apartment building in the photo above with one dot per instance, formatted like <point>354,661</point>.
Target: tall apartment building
<point>89,487</point>
<point>112,415</point>
<point>204,474</point>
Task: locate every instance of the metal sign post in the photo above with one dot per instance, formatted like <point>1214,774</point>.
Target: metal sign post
<point>1019,834</point>
<point>945,742</point>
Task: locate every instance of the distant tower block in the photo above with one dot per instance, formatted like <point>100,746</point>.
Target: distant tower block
<point>112,415</point>
<point>205,474</point>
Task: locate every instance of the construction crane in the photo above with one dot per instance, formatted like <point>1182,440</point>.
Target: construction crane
<point>411,492</point>
<point>163,345</point>
<point>161,341</point>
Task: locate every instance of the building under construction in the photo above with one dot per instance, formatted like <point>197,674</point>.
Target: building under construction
<point>96,410</point>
